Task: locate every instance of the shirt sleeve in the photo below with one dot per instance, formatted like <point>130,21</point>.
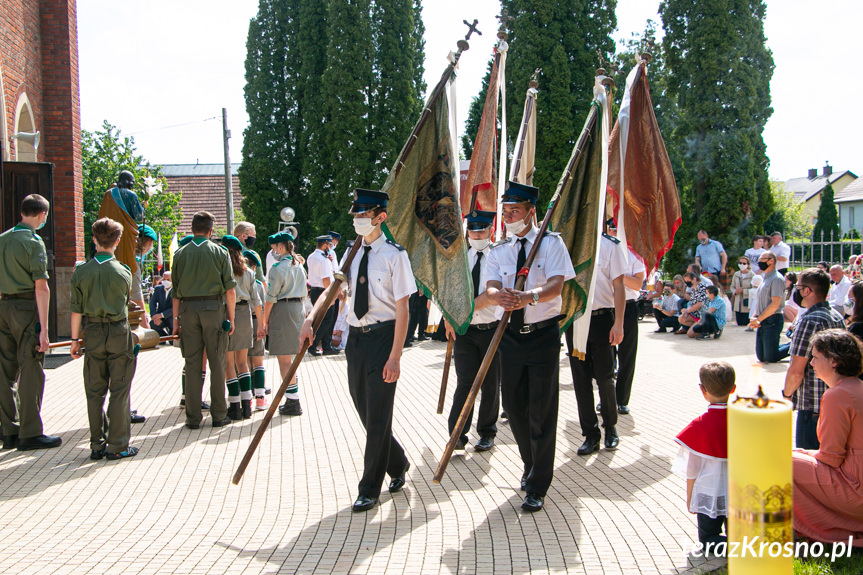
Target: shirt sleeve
<point>557,260</point>
<point>403,277</point>
<point>617,262</point>
<point>800,338</point>
<point>275,283</point>
<point>137,293</point>
<point>777,289</point>
<point>253,292</point>
<point>834,426</point>
<point>492,268</point>
<point>38,260</point>
<point>719,248</point>
<point>76,304</point>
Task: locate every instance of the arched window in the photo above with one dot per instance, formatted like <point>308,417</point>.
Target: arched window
<point>24,122</point>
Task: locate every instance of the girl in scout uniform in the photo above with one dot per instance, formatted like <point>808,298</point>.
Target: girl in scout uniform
<point>283,312</point>
<point>239,379</point>
<point>256,352</point>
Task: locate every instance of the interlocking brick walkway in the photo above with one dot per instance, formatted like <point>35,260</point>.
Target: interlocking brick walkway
<point>172,509</point>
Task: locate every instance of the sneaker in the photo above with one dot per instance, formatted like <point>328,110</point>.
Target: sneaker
<point>704,335</point>
<point>261,403</point>
<point>97,454</point>
<point>235,411</point>
<point>128,452</point>
<point>748,329</point>
<point>717,335</point>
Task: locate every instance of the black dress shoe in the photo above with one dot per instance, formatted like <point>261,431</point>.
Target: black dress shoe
<point>137,418</point>
<point>246,408</point>
<point>314,352</point>
<point>39,442</point>
<point>590,445</point>
<point>408,344</point>
<point>423,337</point>
<point>332,351</point>
<point>193,426</point>
<point>460,444</point>
<point>205,406</point>
<point>611,439</point>
<point>363,503</point>
<point>267,391</point>
<point>222,422</point>
<point>623,409</point>
<point>291,407</point>
<point>399,481</point>
<point>504,415</point>
<point>10,441</point>
<point>97,454</point>
<point>235,412</point>
<point>484,444</point>
<point>532,502</point>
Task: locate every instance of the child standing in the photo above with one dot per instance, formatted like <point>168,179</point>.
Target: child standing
<point>100,291</point>
<point>703,455</point>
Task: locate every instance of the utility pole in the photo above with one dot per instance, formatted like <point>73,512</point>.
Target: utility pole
<point>229,189</point>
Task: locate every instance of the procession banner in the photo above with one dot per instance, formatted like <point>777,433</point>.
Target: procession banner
<point>481,177</point>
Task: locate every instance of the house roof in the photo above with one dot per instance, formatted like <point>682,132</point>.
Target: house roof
<point>805,188</point>
<point>175,170</point>
<point>853,192</point>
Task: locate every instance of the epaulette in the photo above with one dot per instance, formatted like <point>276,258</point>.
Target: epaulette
<point>274,265</point>
<point>125,266</point>
<point>223,247</point>
<point>259,282</point>
<point>550,233</point>
<point>612,238</point>
<point>395,245</point>
<point>77,264</point>
<point>504,241</point>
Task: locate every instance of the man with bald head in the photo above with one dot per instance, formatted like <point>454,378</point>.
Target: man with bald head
<point>839,286</point>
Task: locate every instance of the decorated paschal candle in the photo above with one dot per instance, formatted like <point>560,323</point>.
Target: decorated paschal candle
<point>760,532</point>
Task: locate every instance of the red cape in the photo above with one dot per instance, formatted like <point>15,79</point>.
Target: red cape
<point>707,434</point>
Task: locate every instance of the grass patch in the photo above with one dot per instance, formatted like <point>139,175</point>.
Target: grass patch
<point>823,566</point>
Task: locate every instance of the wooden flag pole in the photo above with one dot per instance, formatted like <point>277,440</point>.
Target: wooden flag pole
<point>57,344</point>
<point>449,347</point>
<point>520,280</point>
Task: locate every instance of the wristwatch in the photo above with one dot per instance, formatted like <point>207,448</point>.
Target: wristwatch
<point>535,298</point>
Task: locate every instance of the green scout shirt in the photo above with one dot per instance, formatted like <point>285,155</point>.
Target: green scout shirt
<point>285,280</point>
<point>201,268</point>
<point>22,260</point>
<point>245,289</point>
<point>100,288</point>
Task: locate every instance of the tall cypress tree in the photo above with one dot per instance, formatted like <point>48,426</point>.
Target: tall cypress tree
<point>719,71</point>
<point>562,37</point>
<point>827,224</point>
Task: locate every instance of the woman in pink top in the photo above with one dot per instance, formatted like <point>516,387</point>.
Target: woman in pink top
<point>828,483</point>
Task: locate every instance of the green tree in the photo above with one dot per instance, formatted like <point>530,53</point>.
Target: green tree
<point>563,38</point>
<point>718,73</point>
<point>104,154</point>
<point>787,216</point>
<point>827,222</point>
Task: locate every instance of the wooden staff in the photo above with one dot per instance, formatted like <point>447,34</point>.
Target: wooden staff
<point>449,346</point>
<point>333,291</point>
<point>520,280</point>
<point>66,343</point>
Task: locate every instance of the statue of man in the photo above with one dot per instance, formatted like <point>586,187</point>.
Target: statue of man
<point>121,204</point>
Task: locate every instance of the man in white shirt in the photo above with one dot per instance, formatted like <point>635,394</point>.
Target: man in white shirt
<point>320,265</point>
<point>839,289</point>
<point>782,251</point>
<point>753,253</point>
<point>530,347</point>
<point>471,347</point>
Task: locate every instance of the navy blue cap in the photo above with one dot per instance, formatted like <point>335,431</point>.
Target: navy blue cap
<point>323,238</point>
<point>478,220</point>
<point>515,193</point>
<point>610,223</point>
<point>336,236</point>
<point>365,200</point>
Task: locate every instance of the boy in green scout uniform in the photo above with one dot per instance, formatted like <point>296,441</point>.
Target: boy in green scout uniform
<point>24,328</point>
<point>100,292</point>
<point>204,301</point>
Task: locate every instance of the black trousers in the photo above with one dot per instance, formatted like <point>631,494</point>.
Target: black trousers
<point>530,393</point>
<point>710,529</point>
<point>666,321</point>
<point>626,352</point>
<point>598,364</point>
<point>324,335</point>
<point>468,354</point>
<point>373,398</point>
<point>419,314</point>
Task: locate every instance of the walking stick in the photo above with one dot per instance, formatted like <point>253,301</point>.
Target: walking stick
<point>449,346</point>
<point>520,280</point>
<point>339,278</point>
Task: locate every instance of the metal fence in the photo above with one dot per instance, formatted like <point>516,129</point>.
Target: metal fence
<point>808,254</point>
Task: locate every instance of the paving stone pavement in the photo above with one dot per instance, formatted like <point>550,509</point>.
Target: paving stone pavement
<point>173,509</point>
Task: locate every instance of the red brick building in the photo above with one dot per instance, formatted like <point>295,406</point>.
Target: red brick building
<point>203,189</point>
<point>39,92</point>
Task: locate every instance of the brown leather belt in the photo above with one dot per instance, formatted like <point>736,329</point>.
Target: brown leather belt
<point>103,319</point>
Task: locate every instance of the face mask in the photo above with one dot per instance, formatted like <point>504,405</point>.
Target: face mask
<point>704,241</point>
<point>666,293</point>
<point>478,245</point>
<point>250,241</point>
<point>363,226</point>
<point>849,306</point>
<point>688,283</point>
<point>743,266</point>
<point>148,252</point>
<point>167,284</point>
<point>797,297</point>
<point>516,227</point>
<point>42,225</point>
<point>763,266</point>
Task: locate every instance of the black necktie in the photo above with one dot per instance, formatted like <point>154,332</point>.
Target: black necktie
<point>475,274</point>
<point>361,297</point>
<point>517,319</point>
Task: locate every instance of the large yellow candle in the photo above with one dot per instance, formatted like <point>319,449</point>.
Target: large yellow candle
<point>759,486</point>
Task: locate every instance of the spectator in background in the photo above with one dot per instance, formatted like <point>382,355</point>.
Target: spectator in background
<point>741,285</point>
<point>811,294</point>
<point>666,310</point>
<point>839,289</point>
<point>791,309</point>
<point>161,307</point>
<point>710,254</point>
<point>691,314</point>
<point>853,270</point>
<point>825,267</point>
<point>712,317</point>
<point>782,251</point>
<point>768,318</point>
<point>697,270</point>
<point>855,319</point>
<point>753,253</point>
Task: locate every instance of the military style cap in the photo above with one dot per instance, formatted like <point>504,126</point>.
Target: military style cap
<point>478,220</point>
<point>350,243</point>
<point>185,239</point>
<point>610,223</point>
<point>147,232</point>
<point>323,238</point>
<point>230,241</point>
<point>250,255</point>
<point>336,236</point>
<point>515,193</point>
<point>365,200</point>
<point>280,237</point>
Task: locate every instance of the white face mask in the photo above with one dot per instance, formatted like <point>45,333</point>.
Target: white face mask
<point>478,245</point>
<point>516,227</point>
<point>743,266</point>
<point>363,226</point>
<point>167,284</point>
